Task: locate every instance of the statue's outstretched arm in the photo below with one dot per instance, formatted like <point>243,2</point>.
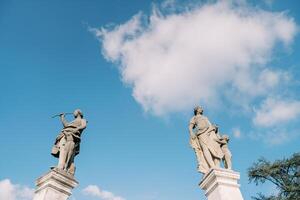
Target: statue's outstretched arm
<point>63,120</point>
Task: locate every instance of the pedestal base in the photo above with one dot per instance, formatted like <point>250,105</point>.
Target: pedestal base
<point>55,185</point>
<point>221,184</point>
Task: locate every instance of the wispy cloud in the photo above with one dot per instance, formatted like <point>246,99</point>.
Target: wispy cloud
<point>268,2</point>
<point>95,191</point>
<point>10,191</point>
<point>274,112</point>
<point>276,121</point>
<point>273,136</point>
<point>236,132</point>
<point>176,60</point>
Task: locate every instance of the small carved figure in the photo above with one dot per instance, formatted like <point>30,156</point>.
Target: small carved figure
<point>223,141</point>
<point>226,151</point>
<point>67,143</point>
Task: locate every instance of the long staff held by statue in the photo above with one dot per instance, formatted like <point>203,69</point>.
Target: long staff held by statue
<point>61,114</point>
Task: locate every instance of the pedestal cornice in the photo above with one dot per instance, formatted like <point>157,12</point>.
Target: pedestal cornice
<point>221,184</point>
<point>56,183</point>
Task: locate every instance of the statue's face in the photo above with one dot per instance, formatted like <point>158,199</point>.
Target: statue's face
<point>199,110</point>
<point>76,113</point>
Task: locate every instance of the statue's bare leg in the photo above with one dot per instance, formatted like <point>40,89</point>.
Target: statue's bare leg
<point>62,154</point>
<point>227,162</point>
<point>70,152</point>
<point>217,162</point>
<point>208,156</point>
<point>72,167</point>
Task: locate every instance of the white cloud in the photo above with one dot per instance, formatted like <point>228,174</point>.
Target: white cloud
<point>275,112</point>
<point>276,121</point>
<point>175,61</point>
<point>95,191</point>
<point>237,133</point>
<point>10,191</point>
<point>273,136</point>
<point>269,2</point>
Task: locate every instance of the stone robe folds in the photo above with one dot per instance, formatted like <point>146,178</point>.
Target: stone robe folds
<point>205,136</point>
<point>69,130</point>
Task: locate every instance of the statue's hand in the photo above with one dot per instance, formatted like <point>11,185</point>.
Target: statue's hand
<point>225,137</point>
<point>61,115</point>
<point>220,141</point>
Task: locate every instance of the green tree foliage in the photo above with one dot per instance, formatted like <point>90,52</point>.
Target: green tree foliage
<point>285,174</point>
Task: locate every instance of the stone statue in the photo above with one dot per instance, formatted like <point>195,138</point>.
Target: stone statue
<point>223,141</point>
<point>67,143</point>
<point>227,153</point>
<point>210,147</point>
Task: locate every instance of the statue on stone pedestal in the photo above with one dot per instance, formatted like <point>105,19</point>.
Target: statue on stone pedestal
<point>210,147</point>
<point>67,143</point>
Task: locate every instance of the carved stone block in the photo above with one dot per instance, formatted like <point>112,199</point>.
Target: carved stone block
<point>221,184</point>
<point>55,185</point>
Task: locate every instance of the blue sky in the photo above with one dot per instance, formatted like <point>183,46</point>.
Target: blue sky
<point>55,57</point>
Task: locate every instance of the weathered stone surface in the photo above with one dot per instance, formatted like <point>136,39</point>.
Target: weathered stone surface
<point>55,185</point>
<point>210,147</point>
<point>221,184</point>
<point>67,143</point>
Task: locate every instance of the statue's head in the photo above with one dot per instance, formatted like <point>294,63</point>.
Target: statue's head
<point>225,137</point>
<point>77,112</point>
<point>198,109</point>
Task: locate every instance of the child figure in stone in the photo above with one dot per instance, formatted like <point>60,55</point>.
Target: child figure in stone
<point>227,153</point>
<point>223,141</point>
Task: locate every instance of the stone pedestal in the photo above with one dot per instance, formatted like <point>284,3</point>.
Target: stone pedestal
<point>221,184</point>
<point>55,185</point>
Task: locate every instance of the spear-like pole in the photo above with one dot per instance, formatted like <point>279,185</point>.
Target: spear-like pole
<point>61,114</point>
